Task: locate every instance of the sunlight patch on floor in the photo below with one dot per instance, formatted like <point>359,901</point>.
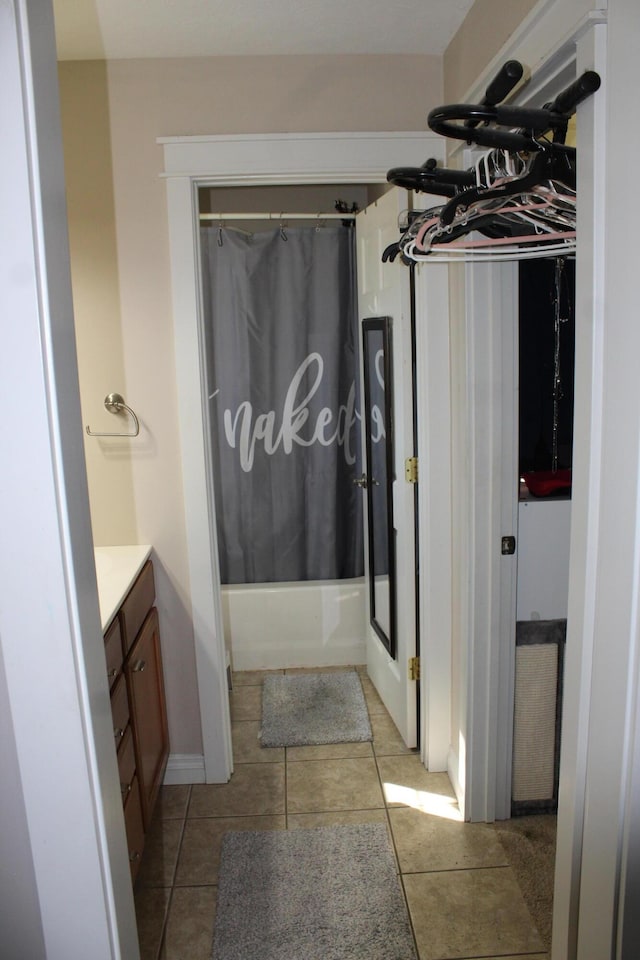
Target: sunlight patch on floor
<point>434,803</point>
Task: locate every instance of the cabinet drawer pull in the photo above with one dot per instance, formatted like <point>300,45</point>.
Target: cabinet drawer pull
<point>125,789</point>
<point>138,666</point>
<point>113,673</point>
<point>133,856</point>
<point>118,733</point>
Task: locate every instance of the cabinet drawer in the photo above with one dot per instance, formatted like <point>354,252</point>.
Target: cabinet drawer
<point>119,709</point>
<point>126,764</point>
<point>137,605</point>
<point>113,651</point>
<point>134,827</point>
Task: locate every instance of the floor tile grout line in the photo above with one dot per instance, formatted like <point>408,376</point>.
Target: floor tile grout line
<point>188,803</point>
<point>172,886</point>
<point>200,885</point>
<point>317,813</point>
<point>165,921</point>
<point>286,791</point>
<point>322,759</point>
<point>235,816</point>
<point>397,858</point>
<point>182,831</point>
<point>495,956</point>
<point>425,873</point>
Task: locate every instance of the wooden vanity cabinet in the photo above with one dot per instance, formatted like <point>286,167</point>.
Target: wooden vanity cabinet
<point>134,668</point>
<point>145,685</point>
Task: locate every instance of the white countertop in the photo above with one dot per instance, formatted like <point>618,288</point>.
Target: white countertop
<point>116,569</point>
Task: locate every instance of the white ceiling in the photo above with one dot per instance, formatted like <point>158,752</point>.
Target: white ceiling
<point>116,29</point>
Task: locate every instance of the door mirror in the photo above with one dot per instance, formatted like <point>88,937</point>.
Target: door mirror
<point>376,335</point>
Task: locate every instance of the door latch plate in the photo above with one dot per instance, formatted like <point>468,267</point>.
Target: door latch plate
<point>508,546</point>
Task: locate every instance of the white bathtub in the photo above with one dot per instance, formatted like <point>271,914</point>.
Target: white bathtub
<point>310,624</point>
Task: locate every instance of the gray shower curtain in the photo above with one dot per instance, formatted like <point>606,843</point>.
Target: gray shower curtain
<point>281,353</point>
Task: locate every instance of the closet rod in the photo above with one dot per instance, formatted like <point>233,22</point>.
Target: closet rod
<point>278,217</point>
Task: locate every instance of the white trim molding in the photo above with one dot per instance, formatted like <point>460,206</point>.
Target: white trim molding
<point>598,770</point>
<point>185,768</point>
<point>191,162</point>
<point>547,43</point>
<point>66,888</point>
<point>199,501</point>
<point>433,390</point>
<point>285,158</point>
<point>586,496</point>
<point>488,657</point>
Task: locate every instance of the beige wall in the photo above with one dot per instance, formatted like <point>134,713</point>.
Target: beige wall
<point>148,99</point>
<point>486,28</point>
<point>94,271</point>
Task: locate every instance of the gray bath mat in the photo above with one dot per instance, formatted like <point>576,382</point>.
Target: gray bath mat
<point>322,894</point>
<point>310,708</point>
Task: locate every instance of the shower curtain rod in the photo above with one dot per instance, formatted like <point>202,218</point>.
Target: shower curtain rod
<point>278,217</point>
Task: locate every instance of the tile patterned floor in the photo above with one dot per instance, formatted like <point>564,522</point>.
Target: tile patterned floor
<point>463,898</point>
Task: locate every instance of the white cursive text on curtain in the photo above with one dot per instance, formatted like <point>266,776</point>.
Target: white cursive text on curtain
<point>243,432</point>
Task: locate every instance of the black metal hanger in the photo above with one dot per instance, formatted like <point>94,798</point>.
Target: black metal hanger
<point>522,190</point>
<point>546,164</point>
<point>430,178</point>
<point>510,128</point>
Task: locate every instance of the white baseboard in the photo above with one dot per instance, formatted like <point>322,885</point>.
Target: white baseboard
<point>184,768</point>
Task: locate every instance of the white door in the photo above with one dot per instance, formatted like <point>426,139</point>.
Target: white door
<point>383,291</point>
<point>62,835</point>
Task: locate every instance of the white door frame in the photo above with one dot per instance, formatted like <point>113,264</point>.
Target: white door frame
<point>433,442</point>
<point>488,581</point>
<point>597,852</point>
<point>548,42</point>
<point>596,864</point>
<point>67,875</point>
<point>278,159</point>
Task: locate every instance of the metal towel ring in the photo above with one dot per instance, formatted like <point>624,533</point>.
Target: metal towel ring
<point>114,403</point>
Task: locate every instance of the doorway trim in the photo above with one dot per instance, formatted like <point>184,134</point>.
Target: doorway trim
<point>557,40</point>
<point>241,160</point>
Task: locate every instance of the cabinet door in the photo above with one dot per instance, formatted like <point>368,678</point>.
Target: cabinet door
<point>113,651</point>
<point>136,606</point>
<point>134,827</point>
<point>119,710</point>
<point>148,712</point>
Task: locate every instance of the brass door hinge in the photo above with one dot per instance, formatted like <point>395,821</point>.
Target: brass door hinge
<point>414,668</point>
<point>411,469</point>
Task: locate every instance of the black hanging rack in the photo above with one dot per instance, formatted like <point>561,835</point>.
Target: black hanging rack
<point>521,196</point>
